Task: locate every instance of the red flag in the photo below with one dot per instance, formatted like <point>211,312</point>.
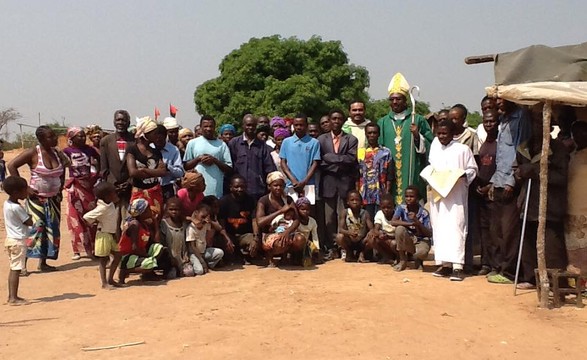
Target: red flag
<point>157,113</point>
<point>172,110</point>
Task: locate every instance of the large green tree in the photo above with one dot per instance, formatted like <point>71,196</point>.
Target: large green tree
<point>282,76</point>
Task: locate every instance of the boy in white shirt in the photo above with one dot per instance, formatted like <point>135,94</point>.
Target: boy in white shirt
<point>199,239</point>
<point>17,222</point>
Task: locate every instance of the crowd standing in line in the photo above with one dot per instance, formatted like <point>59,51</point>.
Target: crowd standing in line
<point>166,202</point>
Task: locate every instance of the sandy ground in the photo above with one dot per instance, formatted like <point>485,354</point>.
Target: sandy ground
<point>336,311</point>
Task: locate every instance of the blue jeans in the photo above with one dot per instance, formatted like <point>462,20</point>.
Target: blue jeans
<point>212,256</point>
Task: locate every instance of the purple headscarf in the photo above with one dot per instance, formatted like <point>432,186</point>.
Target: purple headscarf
<point>281,132</point>
<point>277,121</point>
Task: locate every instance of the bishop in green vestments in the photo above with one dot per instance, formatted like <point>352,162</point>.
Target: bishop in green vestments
<point>397,132</point>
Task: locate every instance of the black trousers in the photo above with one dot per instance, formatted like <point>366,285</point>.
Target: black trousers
<point>555,249</point>
<point>506,220</point>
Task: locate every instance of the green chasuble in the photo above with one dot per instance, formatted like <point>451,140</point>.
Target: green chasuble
<point>396,136</point>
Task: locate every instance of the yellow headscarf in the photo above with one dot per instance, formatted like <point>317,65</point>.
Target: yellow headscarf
<point>145,125</point>
<point>399,85</point>
<point>274,176</point>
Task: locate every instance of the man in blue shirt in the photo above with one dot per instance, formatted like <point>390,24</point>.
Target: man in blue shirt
<point>514,128</point>
<point>209,156</point>
<point>300,155</point>
<point>172,161</point>
<point>251,158</point>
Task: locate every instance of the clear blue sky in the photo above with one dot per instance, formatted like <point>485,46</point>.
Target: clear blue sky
<point>81,60</point>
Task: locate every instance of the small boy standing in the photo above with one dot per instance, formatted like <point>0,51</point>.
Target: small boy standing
<point>413,230</point>
<point>16,222</point>
<point>374,166</point>
<point>200,238</point>
<point>105,214</point>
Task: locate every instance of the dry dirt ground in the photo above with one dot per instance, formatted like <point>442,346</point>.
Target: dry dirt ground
<point>336,311</point>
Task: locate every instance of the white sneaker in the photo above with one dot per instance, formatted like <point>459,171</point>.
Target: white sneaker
<point>76,257</point>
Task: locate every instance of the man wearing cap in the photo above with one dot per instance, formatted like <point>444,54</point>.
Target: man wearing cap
<point>172,127</point>
<point>171,156</point>
<point>407,136</point>
<point>251,158</point>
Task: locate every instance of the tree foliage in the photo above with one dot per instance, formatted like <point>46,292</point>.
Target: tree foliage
<point>474,119</point>
<point>282,76</point>
<point>8,115</point>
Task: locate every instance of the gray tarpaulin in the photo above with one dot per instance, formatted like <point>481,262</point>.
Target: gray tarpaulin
<point>539,73</point>
<point>539,63</point>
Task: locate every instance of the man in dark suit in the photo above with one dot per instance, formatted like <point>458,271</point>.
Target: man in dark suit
<point>338,169</point>
<point>113,159</point>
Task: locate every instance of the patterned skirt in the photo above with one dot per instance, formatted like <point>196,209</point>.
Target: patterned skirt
<point>45,233</point>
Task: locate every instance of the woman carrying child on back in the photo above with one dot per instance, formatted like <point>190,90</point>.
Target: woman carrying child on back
<point>140,253</point>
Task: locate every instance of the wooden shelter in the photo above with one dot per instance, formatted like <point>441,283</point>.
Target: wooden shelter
<point>540,74</point>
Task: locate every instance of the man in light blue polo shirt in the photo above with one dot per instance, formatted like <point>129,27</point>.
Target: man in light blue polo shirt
<point>300,155</point>
<point>210,156</point>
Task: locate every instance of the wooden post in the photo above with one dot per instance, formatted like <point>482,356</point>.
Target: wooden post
<point>541,234</point>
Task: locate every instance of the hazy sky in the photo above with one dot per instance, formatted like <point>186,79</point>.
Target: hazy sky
<point>82,60</point>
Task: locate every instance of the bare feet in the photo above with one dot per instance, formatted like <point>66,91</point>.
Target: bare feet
<point>401,266</point>
<point>362,258</point>
<point>17,301</point>
<point>24,273</point>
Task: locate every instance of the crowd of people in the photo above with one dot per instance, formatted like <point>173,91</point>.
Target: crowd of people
<point>165,201</point>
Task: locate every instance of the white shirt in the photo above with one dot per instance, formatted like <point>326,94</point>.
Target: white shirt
<point>385,224</point>
<point>105,215</point>
<point>14,217</point>
<point>198,235</point>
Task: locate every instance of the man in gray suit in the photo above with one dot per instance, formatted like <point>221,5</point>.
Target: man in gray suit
<point>338,169</point>
<point>113,159</point>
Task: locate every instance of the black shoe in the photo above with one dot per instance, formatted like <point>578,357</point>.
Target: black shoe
<point>484,270</point>
<point>442,272</point>
<point>457,275</point>
<point>418,264</point>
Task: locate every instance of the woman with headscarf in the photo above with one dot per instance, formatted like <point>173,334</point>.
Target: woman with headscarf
<point>141,251</point>
<point>278,135</point>
<point>145,167</point>
<point>227,132</point>
<point>44,202</point>
<point>269,208</point>
<point>191,192</point>
<point>95,133</point>
<point>275,123</point>
<point>80,190</point>
<point>185,135</point>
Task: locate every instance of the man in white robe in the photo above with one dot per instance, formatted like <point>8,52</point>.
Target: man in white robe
<point>448,206</point>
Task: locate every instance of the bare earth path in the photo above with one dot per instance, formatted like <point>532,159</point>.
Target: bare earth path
<point>338,311</point>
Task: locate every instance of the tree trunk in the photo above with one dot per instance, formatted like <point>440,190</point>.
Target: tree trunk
<point>540,240</point>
